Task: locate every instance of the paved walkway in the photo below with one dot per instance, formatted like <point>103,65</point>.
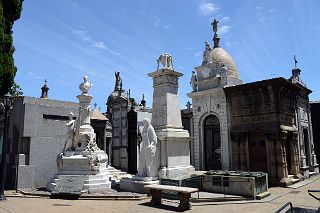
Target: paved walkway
<point>299,197</point>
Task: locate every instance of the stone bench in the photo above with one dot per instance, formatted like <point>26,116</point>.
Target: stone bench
<point>183,192</point>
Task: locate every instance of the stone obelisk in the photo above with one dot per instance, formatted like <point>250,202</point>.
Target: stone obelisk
<point>166,120</point>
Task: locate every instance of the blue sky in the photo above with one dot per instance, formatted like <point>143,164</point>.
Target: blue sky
<point>61,40</point>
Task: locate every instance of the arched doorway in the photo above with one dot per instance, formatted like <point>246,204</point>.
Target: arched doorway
<point>212,143</point>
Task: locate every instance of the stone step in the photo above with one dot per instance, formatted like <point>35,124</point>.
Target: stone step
<point>311,173</point>
<point>263,195</point>
<point>96,181</point>
<point>294,180</point>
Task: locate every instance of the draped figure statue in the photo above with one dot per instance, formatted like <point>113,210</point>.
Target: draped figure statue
<point>149,158</point>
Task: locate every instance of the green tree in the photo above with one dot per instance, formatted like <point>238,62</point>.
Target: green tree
<point>10,11</point>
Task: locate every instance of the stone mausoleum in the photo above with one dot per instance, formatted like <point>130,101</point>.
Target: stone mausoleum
<point>125,116</point>
<point>260,126</point>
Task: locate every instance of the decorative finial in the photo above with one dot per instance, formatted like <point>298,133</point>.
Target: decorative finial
<point>45,88</point>
<point>215,26</point>
<point>166,60</point>
<point>143,102</point>
<point>132,103</point>
<point>216,38</point>
<point>295,61</point>
<point>188,105</point>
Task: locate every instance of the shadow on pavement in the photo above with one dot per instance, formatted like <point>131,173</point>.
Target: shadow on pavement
<point>220,199</point>
<point>162,206</point>
<point>302,210</point>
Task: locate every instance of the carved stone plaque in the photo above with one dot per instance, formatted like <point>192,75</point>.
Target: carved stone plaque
<point>69,184</point>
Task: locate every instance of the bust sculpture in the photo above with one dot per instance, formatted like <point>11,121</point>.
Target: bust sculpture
<point>85,86</point>
<point>149,152</point>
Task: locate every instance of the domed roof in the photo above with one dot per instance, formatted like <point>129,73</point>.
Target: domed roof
<point>219,56</point>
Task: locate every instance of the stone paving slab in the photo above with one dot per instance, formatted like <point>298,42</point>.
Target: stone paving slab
<point>111,194</point>
<point>300,199</point>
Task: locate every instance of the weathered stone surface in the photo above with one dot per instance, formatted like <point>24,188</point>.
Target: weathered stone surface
<point>166,119</point>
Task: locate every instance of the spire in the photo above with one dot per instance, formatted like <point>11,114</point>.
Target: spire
<point>188,105</point>
<point>295,61</point>
<point>45,88</point>
<point>216,38</point>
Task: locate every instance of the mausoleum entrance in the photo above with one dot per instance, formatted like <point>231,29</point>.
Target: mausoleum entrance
<point>212,143</point>
<point>257,152</point>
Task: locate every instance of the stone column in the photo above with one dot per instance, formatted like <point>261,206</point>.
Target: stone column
<point>236,150</point>
<point>243,155</point>
<point>272,140</point>
<point>281,156</point>
<point>166,120</point>
<point>294,154</point>
<point>235,155</point>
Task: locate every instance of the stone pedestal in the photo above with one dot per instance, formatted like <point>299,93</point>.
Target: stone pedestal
<point>91,168</point>
<point>82,165</point>
<point>166,120</point>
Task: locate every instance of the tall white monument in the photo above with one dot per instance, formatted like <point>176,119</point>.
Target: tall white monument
<point>82,165</point>
<point>166,120</point>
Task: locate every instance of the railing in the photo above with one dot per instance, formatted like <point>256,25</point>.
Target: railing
<point>284,206</point>
<point>310,191</point>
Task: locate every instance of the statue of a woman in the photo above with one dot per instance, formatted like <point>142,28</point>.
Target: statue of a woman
<point>193,82</point>
<point>149,152</point>
<point>118,85</point>
<point>206,53</point>
<point>70,132</point>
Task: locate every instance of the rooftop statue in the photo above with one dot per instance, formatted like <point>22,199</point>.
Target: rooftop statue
<point>166,61</point>
<point>85,86</point>
<point>206,54</point>
<point>193,82</point>
<point>118,85</point>
<point>215,26</point>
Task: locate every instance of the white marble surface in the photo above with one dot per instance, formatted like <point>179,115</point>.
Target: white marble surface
<point>166,119</point>
<point>84,160</point>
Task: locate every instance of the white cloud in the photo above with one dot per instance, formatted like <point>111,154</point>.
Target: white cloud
<point>197,54</point>
<point>84,36</point>
<point>32,75</point>
<point>99,45</point>
<point>225,19</point>
<point>207,8</point>
<point>159,23</point>
<point>224,29</point>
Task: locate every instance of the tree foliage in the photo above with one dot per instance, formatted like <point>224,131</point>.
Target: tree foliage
<point>10,11</point>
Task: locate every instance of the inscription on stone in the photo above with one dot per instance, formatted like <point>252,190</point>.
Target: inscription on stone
<point>69,185</point>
